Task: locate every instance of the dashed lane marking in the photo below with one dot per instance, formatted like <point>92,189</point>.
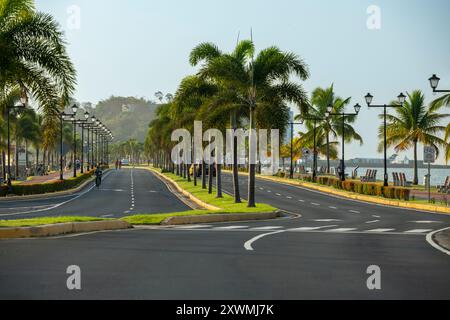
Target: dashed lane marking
<point>266,228</point>
<point>310,228</point>
<point>354,211</point>
<point>418,230</point>
<point>373,221</point>
<point>326,220</point>
<point>380,230</point>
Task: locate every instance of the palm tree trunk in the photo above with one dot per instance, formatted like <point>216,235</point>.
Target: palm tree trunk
<point>416,175</point>
<point>203,174</point>
<point>210,178</point>
<point>237,196</point>
<point>219,180</point>
<point>251,178</point>
<point>4,164</point>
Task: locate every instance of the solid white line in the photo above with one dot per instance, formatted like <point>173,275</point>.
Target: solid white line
<point>434,244</point>
<point>418,230</point>
<point>230,227</point>
<point>248,244</point>
<point>340,230</point>
<point>326,220</point>
<point>379,230</point>
<point>374,221</point>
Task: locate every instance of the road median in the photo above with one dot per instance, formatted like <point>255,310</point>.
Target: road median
<point>61,229</point>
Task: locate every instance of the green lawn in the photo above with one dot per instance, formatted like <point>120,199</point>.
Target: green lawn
<point>226,204</point>
<point>44,221</point>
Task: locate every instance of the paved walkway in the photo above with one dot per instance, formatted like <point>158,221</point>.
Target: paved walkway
<point>47,178</point>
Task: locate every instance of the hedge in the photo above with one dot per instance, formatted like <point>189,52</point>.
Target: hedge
<point>49,187</point>
<point>370,189</point>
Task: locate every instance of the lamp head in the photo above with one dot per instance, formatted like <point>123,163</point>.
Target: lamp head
<point>369,99</point>
<point>434,81</point>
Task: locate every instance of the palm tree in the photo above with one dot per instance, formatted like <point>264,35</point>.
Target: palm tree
<point>415,123</point>
<point>329,127</point>
<point>261,86</point>
<point>34,57</point>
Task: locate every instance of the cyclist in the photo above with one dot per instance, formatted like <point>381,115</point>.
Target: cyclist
<point>98,176</point>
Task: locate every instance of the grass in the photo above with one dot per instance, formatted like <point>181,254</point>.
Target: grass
<point>45,221</point>
<point>226,204</point>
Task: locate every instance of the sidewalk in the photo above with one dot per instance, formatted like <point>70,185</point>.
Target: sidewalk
<point>47,178</point>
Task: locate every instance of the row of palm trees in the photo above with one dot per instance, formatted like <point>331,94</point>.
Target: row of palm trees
<point>34,66</point>
<point>239,88</point>
<point>231,90</point>
<point>131,149</point>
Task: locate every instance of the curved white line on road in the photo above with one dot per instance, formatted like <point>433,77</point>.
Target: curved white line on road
<point>434,244</point>
<point>56,205</point>
<point>248,244</point>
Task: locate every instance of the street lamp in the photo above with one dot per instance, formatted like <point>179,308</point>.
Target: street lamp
<point>291,172</point>
<point>357,108</point>
<point>434,82</point>
<point>401,98</point>
<point>22,105</point>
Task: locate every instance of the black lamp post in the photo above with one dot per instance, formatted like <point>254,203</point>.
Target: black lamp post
<point>434,82</point>
<point>401,100</point>
<point>291,172</point>
<point>62,115</point>
<point>23,101</point>
<point>357,108</point>
<point>83,124</point>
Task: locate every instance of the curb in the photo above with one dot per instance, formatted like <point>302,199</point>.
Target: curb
<point>211,218</point>
<point>185,193</point>
<point>62,228</point>
<point>364,198</point>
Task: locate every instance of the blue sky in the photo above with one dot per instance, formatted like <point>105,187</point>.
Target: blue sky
<point>137,47</point>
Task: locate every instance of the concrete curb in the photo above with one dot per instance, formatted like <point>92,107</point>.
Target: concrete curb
<point>364,198</point>
<point>211,218</point>
<point>185,193</point>
<point>62,228</point>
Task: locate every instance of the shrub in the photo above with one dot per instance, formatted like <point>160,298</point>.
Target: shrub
<point>49,187</point>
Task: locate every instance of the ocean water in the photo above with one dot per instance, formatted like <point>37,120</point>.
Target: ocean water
<point>437,175</point>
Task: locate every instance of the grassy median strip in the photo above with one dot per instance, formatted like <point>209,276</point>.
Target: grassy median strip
<point>45,221</point>
<point>226,204</point>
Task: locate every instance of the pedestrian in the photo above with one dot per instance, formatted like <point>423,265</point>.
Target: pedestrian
<point>117,163</point>
<point>120,164</point>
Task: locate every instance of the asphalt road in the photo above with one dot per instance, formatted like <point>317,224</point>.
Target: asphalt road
<point>122,192</point>
<point>322,254</point>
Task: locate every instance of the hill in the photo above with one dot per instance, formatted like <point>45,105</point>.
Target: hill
<point>127,117</point>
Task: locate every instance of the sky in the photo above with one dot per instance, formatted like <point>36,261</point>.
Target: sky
<point>138,47</point>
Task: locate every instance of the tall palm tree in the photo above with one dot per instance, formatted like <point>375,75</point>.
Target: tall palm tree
<point>415,123</point>
<point>260,84</point>
<point>33,55</point>
<point>329,127</point>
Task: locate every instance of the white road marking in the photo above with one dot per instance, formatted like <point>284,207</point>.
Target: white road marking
<point>418,230</point>
<point>248,244</point>
<point>326,220</point>
<point>434,244</point>
<point>107,215</point>
<point>354,211</point>
<point>331,207</point>
<point>266,228</point>
<point>315,204</point>
<point>278,194</point>
<point>380,230</point>
<point>231,228</point>
<point>376,216</point>
<point>424,221</point>
<point>374,221</point>
<point>341,230</point>
<point>300,200</point>
<point>269,191</point>
<point>289,197</point>
<point>310,228</point>
<point>193,226</point>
